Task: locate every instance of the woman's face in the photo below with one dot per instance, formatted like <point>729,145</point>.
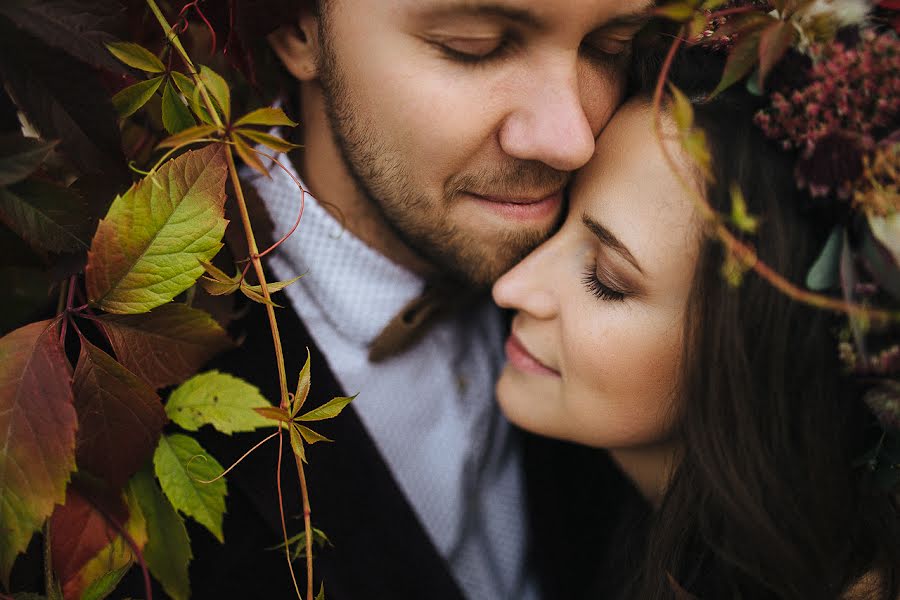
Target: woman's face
<point>595,346</point>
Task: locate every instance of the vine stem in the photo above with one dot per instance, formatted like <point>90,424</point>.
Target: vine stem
<point>261,276</point>
<point>743,252</point>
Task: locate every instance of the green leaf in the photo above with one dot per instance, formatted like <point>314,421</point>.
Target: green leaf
<point>275,413</point>
<point>191,134</point>
<point>255,295</point>
<point>218,88</point>
<point>266,139</point>
<point>168,549</point>
<point>220,283</point>
<point>303,382</point>
<point>741,61</point>
<point>269,116</point>
<point>309,435</point>
<point>190,91</point>
<point>50,217</point>
<point>321,594</point>
<point>272,286</point>
<point>676,11</point>
<point>166,346</point>
<point>733,270</point>
<point>129,100</point>
<point>740,218</point>
<point>775,40</point>
<point>119,417</point>
<point>712,4</point>
<point>37,434</point>
<point>682,111</point>
<point>825,272</point>
<point>106,585</point>
<point>218,399</point>
<point>182,465</point>
<point>329,410</point>
<point>135,55</point>
<point>21,156</point>
<point>249,156</point>
<point>146,250</point>
<point>297,444</point>
<point>695,144</point>
<point>175,115</point>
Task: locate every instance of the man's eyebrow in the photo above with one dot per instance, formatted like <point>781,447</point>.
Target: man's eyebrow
<point>464,8</point>
<point>607,238</point>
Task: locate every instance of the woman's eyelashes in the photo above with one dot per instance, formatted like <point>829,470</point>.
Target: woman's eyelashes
<point>602,289</point>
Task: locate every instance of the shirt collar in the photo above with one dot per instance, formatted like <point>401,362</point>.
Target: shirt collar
<point>357,289</point>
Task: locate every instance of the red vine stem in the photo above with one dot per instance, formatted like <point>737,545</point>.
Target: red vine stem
<point>744,253</point>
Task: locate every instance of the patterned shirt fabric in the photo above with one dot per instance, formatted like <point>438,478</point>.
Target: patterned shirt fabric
<point>430,410</point>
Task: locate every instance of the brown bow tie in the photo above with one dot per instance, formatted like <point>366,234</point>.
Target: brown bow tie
<point>414,319</point>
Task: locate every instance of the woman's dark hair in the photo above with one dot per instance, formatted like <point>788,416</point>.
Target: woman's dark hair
<point>768,500</point>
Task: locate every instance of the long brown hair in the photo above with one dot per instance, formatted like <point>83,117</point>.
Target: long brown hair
<point>768,499</point>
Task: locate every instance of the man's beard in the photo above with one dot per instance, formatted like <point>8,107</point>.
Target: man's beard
<point>420,222</point>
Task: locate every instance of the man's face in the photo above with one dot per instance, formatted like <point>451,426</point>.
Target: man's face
<point>462,120</point>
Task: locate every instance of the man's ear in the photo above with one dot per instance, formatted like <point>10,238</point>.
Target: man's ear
<point>297,45</point>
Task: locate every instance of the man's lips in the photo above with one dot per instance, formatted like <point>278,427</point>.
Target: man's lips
<point>523,360</point>
<point>522,207</point>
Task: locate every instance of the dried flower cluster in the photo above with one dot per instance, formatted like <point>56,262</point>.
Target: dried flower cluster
<point>878,192</point>
<point>851,100</point>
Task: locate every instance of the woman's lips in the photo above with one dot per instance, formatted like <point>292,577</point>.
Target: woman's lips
<point>523,360</point>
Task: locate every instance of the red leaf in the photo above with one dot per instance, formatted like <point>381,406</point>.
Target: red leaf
<point>37,434</point>
<point>774,42</point>
<point>80,529</point>
<point>167,345</point>
<point>119,417</point>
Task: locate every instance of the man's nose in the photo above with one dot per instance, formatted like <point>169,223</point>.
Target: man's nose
<point>548,122</point>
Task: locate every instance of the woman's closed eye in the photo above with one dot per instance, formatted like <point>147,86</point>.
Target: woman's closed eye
<point>603,288</point>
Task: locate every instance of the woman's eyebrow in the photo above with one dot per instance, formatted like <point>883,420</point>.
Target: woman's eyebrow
<point>607,238</point>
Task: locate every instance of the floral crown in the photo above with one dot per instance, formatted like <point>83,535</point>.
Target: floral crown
<point>829,73</point>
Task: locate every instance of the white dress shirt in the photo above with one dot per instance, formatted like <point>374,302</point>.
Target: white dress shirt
<point>430,410</point>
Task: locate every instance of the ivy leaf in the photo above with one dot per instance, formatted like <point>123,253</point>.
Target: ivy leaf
<point>321,594</point>
<point>77,26</point>
<point>64,100</point>
<point>249,157</point>
<point>275,413</point>
<point>740,62</point>
<point>775,40</point>
<point>136,56</point>
<point>267,139</point>
<point>21,156</point>
<point>733,269</point>
<point>268,116</point>
<point>145,251</point>
<point>37,434</point>
<point>255,295</point>
<point>329,410</point>
<point>303,383</point>
<point>695,144</point>
<point>168,550</point>
<point>825,272</point>
<point>81,528</point>
<point>676,11</point>
<point>98,576</point>
<point>49,217</point>
<point>187,87</point>
<point>272,286</point>
<point>191,134</point>
<point>132,98</point>
<point>682,111</point>
<point>119,417</point>
<point>219,90</point>
<point>166,346</point>
<point>220,284</point>
<point>309,435</point>
<point>175,115</point>
<point>181,466</point>
<point>297,444</point>
<point>218,399</point>
<point>740,218</point>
